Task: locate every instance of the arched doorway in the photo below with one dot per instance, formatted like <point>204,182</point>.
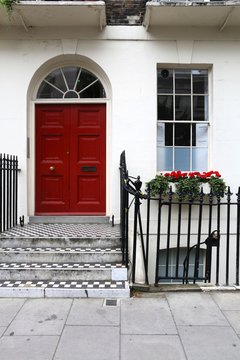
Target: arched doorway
<point>70,143</point>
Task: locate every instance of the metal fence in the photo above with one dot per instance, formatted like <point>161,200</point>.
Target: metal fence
<point>8,191</point>
<point>180,240</point>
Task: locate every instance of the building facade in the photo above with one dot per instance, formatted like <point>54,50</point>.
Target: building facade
<point>157,79</point>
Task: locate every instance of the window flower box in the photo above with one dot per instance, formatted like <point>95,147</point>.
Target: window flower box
<point>188,184</point>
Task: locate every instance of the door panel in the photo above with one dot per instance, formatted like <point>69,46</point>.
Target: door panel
<point>88,139</point>
<point>52,175</point>
<point>71,159</point>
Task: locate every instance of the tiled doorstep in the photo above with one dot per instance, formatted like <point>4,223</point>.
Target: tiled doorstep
<point>63,230</point>
<point>68,289</point>
<point>63,272</point>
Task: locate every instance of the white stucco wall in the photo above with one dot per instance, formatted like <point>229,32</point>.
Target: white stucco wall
<point>128,57</point>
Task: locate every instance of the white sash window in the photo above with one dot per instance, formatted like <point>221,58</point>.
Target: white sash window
<point>183,119</point>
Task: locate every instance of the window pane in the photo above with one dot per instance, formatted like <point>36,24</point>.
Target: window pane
<point>200,81</point>
<point>165,81</point>
<point>201,135</point>
<point>160,134</point>
<point>165,134</point>
<point>164,158</point>
<point>165,107</point>
<point>57,80</point>
<point>182,158</point>
<point>71,95</point>
<point>183,81</point>
<point>199,159</point>
<point>46,91</point>
<point>85,79</point>
<point>173,263</point>
<point>168,134</point>
<point>71,74</point>
<point>183,107</point>
<point>200,108</point>
<point>94,91</point>
<point>182,135</point>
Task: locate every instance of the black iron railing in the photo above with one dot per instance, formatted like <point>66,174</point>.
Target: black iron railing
<point>8,191</point>
<point>181,240</point>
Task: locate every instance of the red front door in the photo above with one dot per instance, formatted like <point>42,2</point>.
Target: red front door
<point>71,159</point>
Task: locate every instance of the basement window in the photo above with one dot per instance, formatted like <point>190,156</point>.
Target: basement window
<point>173,264</point>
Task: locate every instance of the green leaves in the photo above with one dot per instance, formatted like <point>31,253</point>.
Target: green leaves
<point>218,186</point>
<point>159,184</point>
<point>8,4</point>
<point>187,185</point>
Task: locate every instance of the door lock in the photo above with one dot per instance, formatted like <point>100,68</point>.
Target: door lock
<point>52,168</point>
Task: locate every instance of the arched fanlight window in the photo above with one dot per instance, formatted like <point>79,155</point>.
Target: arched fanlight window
<point>71,83</point>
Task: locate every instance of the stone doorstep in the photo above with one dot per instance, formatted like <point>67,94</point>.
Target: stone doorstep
<point>53,250</point>
<point>40,255</point>
<point>63,230</point>
<point>45,242</point>
<point>63,272</point>
<point>69,219</point>
<point>73,289</point>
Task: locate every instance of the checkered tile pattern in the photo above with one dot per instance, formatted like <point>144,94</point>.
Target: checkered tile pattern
<point>63,231</point>
<point>65,284</point>
<point>58,266</point>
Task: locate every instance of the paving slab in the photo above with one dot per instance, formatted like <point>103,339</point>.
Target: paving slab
<point>27,347</point>
<point>93,312</point>
<point>154,347</point>
<point>88,342</point>
<point>146,316</point>
<point>210,342</point>
<point>195,309</point>
<point>234,319</point>
<point>2,330</point>
<point>8,310</point>
<point>21,292</point>
<point>227,301</point>
<point>41,317</point>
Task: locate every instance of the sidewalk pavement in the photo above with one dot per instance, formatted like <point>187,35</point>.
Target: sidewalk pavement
<point>163,326</point>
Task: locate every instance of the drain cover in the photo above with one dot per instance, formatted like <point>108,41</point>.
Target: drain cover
<point>110,302</point>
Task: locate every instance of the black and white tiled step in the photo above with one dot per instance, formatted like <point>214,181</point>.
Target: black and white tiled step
<point>62,253</point>
<point>43,288</point>
<point>77,255</point>
<point>66,271</point>
<point>64,230</point>
<point>59,249</point>
<point>55,242</point>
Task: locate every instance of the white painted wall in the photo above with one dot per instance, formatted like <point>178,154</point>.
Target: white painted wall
<point>129,57</point>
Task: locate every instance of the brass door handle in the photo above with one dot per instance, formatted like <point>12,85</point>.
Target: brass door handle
<point>52,168</point>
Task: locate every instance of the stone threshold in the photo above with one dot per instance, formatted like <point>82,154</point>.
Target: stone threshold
<point>68,289</point>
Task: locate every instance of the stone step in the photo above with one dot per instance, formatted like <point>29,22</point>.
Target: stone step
<point>62,259</point>
<point>59,242</point>
<point>60,255</point>
<point>69,219</point>
<point>65,271</point>
<point>43,288</point>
